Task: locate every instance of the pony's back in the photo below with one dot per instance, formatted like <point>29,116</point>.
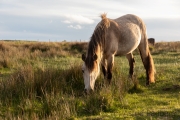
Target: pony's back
<point>129,18</point>
<point>133,23</point>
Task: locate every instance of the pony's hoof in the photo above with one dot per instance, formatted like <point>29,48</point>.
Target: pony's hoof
<point>147,83</point>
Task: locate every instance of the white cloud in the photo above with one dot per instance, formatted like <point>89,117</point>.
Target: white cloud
<point>78,19</point>
<point>75,27</point>
<point>67,21</point>
<point>60,17</point>
<point>91,9</point>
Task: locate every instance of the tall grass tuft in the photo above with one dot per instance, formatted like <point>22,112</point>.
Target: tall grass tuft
<point>42,92</point>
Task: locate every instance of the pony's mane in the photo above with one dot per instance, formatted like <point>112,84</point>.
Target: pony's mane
<point>97,40</point>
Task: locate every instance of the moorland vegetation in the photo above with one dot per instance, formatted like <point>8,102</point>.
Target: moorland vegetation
<point>43,80</point>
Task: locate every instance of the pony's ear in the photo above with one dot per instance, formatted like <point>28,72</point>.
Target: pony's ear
<point>95,57</point>
<point>83,57</point>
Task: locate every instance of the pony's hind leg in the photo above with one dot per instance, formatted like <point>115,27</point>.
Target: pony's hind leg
<point>131,64</point>
<point>148,62</point>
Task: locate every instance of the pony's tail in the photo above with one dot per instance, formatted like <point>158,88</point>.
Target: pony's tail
<point>105,20</point>
<point>149,65</point>
<point>152,70</point>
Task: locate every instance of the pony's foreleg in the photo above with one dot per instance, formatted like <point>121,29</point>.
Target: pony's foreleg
<point>148,64</point>
<point>110,64</point>
<point>104,67</point>
<point>131,64</point>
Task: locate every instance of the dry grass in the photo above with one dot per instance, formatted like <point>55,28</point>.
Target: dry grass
<point>167,47</point>
<point>43,82</point>
<point>13,51</point>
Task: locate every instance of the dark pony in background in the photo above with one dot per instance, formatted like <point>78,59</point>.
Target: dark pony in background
<point>151,41</point>
<point>112,37</point>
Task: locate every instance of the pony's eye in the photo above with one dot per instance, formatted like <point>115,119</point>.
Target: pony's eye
<point>82,71</point>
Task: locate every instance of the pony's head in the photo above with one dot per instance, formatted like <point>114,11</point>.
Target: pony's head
<point>90,66</point>
<point>90,70</point>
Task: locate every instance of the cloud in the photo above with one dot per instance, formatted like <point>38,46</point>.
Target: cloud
<point>78,19</point>
<point>50,21</point>
<point>67,21</point>
<point>163,29</point>
<point>70,20</point>
<point>75,27</point>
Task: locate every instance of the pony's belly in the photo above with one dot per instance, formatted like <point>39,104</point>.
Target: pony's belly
<point>127,48</point>
<point>124,51</point>
<point>130,39</point>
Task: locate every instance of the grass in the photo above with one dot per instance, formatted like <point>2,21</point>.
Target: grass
<point>44,81</point>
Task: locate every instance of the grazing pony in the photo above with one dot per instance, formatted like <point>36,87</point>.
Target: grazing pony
<point>112,37</point>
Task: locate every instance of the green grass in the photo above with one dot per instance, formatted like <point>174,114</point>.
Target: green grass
<point>48,84</point>
<point>157,101</point>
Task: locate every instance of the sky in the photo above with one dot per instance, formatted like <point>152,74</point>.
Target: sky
<point>75,20</point>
